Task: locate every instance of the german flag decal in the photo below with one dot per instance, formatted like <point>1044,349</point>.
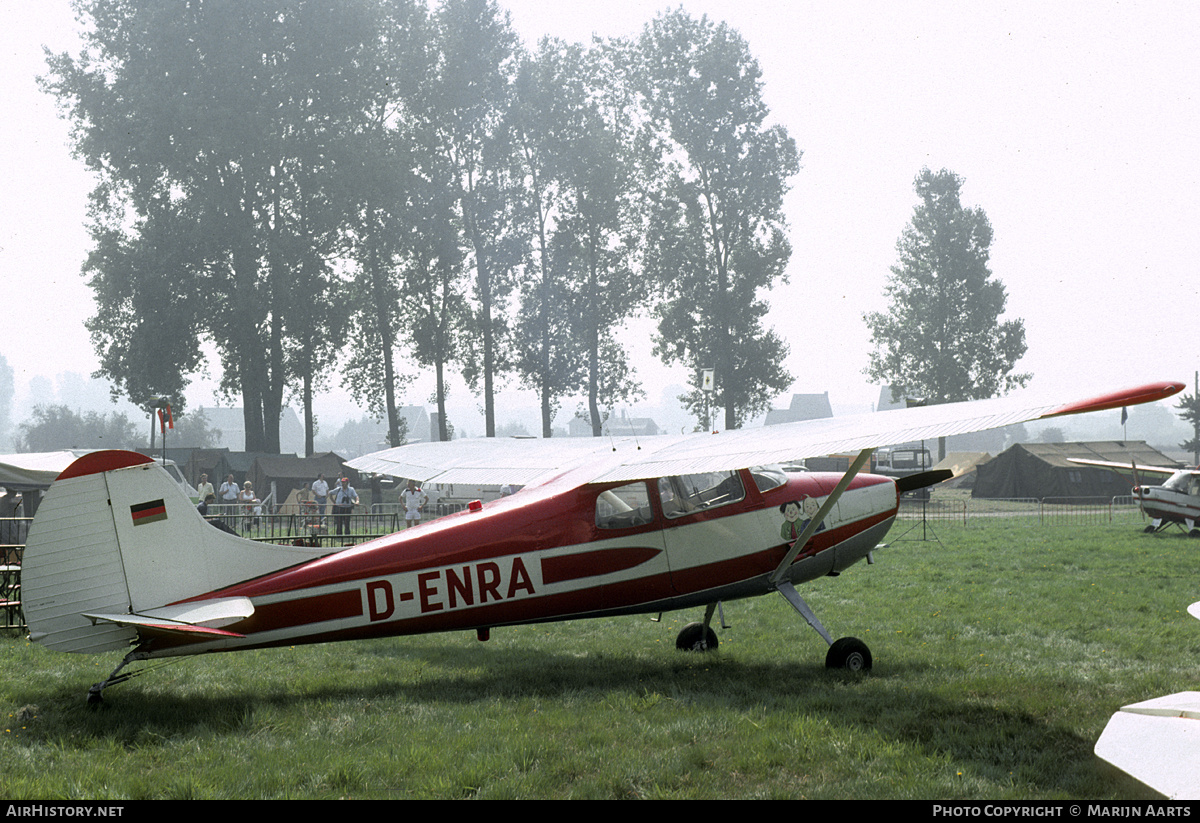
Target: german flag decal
<point>150,512</point>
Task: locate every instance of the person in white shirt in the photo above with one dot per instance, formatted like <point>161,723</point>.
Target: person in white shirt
<point>413,500</point>
<point>229,498</point>
<point>204,489</point>
<point>320,490</point>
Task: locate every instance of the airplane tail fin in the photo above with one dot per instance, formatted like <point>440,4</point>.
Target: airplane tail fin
<point>116,540</point>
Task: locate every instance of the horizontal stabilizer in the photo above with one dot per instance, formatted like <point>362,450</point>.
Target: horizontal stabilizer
<point>919,481</point>
<point>1158,742</point>
<point>212,613</point>
<point>152,625</point>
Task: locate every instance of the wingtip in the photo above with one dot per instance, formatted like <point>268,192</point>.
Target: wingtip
<point>1149,393</point>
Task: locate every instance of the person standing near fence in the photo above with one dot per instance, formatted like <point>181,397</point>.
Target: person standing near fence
<point>414,501</point>
<point>204,489</point>
<point>229,499</point>
<point>320,490</point>
<point>345,498</point>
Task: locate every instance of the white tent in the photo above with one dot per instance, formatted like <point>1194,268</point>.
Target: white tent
<point>34,470</point>
<point>37,470</point>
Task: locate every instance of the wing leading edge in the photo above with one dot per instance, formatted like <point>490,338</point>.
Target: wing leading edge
<point>529,461</point>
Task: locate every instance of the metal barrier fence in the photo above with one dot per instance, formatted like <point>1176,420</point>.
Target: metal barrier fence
<point>12,545</point>
<point>1049,511</point>
<point>313,528</point>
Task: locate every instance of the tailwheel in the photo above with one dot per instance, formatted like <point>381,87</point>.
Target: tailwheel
<point>696,637</point>
<point>95,694</point>
<point>849,653</point>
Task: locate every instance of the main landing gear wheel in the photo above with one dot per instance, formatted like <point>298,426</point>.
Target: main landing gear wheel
<point>696,637</point>
<point>849,653</point>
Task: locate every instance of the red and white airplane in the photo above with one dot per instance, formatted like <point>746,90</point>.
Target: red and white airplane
<point>118,557</point>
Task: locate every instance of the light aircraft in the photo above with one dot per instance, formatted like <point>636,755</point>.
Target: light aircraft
<point>118,557</point>
<point>1175,502</point>
<point>1157,741</point>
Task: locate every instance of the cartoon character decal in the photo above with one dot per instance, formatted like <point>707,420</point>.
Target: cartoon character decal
<point>793,511</point>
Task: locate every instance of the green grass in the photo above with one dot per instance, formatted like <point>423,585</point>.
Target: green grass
<point>1000,653</point>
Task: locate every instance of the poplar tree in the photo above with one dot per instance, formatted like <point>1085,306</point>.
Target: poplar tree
<point>718,237</point>
<point>941,338</point>
<point>216,129</point>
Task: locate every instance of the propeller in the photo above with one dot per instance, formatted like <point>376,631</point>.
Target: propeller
<point>922,479</point>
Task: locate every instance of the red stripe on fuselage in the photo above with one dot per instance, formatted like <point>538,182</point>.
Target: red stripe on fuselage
<point>592,563</point>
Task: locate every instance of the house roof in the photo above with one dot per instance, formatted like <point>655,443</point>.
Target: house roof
<point>803,407</point>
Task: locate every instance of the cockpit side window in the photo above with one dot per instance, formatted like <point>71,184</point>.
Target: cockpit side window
<point>688,493</point>
<point>624,507</point>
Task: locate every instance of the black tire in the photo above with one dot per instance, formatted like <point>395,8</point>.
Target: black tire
<point>849,653</point>
<point>696,637</point>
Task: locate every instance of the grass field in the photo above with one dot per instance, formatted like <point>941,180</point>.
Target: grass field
<point>1000,652</point>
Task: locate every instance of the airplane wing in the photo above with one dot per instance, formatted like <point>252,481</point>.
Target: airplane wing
<point>1123,469</point>
<point>601,460</point>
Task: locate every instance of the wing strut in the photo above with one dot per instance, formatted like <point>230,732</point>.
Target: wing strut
<point>815,523</point>
<point>792,596</point>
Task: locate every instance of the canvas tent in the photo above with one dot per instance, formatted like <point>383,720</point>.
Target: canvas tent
<point>1044,470</point>
<point>27,472</point>
<point>964,466</point>
<point>286,473</point>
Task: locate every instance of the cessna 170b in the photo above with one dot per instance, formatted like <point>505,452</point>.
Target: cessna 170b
<point>1175,502</point>
<point>118,557</point>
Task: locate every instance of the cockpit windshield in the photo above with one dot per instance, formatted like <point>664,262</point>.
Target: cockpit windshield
<point>1185,482</point>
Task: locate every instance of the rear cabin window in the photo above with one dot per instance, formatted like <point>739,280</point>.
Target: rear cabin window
<point>768,477</point>
<point>624,507</point>
<point>686,494</point>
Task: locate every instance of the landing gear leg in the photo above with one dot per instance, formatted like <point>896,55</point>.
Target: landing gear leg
<point>848,653</point>
<point>94,696</point>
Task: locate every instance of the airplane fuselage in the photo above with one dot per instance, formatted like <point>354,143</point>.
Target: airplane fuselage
<point>1175,501</point>
<point>563,551</point>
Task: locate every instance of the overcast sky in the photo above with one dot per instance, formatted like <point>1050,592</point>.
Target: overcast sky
<point>1075,126</point>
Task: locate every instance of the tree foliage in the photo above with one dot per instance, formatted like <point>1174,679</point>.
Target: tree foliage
<point>58,427</point>
<point>717,239</point>
<point>216,125</point>
<point>465,102</point>
<point>941,337</point>
<point>377,186</point>
<point>1189,410</point>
